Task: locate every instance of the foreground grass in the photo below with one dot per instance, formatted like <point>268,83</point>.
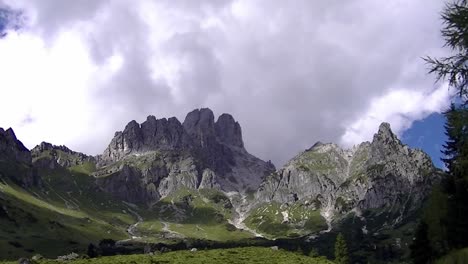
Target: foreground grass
<point>235,255</point>
<point>456,257</point>
<point>51,221</point>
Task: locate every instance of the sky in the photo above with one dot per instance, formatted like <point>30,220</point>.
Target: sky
<point>429,135</point>
<point>291,72</point>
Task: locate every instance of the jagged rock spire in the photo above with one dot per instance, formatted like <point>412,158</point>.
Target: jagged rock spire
<point>385,134</point>
<point>18,158</point>
<point>229,131</point>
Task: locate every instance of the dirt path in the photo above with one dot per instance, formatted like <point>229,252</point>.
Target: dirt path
<point>170,233</point>
<point>131,230</point>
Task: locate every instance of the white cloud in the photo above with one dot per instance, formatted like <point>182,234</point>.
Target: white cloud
<point>291,73</point>
<point>44,85</point>
<point>400,108</point>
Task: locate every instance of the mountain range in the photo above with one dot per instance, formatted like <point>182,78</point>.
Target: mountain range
<point>164,181</point>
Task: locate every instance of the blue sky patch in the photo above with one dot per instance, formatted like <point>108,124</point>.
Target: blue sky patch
<point>428,135</point>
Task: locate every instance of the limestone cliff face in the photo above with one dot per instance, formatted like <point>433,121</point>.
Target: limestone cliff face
<point>161,156</point>
<point>15,160</point>
<point>382,174</point>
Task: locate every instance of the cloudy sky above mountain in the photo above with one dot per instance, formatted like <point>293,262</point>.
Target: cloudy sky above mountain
<point>291,72</point>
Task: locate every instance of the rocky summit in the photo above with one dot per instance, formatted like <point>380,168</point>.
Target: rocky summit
<point>382,175</point>
<point>161,156</point>
<point>167,180</point>
<point>15,160</point>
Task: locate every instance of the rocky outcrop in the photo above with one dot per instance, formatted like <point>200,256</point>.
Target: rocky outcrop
<point>165,155</point>
<point>153,134</point>
<point>46,155</point>
<point>199,124</point>
<point>383,174</point>
<point>15,160</point>
<point>228,131</point>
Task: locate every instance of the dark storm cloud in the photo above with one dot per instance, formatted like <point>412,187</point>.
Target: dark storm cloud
<point>291,73</point>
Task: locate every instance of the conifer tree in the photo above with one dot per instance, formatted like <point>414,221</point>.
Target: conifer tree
<point>454,68</point>
<point>456,161</point>
<point>341,250</point>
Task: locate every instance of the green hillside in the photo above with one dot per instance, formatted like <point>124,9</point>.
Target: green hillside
<point>456,257</point>
<point>222,256</point>
<point>65,215</point>
<point>68,212</point>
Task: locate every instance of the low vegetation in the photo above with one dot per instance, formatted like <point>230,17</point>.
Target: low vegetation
<point>52,220</point>
<point>248,255</point>
<point>274,220</point>
<point>456,257</point>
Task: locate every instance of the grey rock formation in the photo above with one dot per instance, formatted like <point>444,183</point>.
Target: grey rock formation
<point>153,134</point>
<point>199,124</point>
<point>125,184</point>
<point>383,174</point>
<point>15,160</point>
<point>229,131</point>
<point>161,156</point>
<point>46,155</point>
<point>12,148</point>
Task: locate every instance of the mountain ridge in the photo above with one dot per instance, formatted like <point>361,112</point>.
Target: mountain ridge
<point>198,174</point>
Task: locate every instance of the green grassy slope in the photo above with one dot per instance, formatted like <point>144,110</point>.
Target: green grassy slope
<point>275,221</point>
<point>69,211</point>
<point>64,215</point>
<point>198,214</point>
<point>222,256</point>
<point>456,257</point>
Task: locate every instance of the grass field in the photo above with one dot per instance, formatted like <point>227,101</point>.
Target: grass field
<point>41,222</point>
<point>269,220</point>
<point>248,255</point>
<point>456,257</point>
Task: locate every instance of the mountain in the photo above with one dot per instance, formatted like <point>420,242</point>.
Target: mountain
<point>383,174</point>
<point>161,156</point>
<point>376,190</point>
<point>49,204</point>
<point>163,181</point>
<point>46,155</point>
<point>15,160</point>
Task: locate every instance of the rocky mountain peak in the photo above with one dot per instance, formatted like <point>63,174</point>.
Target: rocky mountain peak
<point>8,136</point>
<point>317,144</point>
<point>199,124</point>
<point>44,146</point>
<point>199,118</point>
<point>229,131</point>
<point>151,119</point>
<point>161,151</point>
<point>133,131</point>
<point>15,159</point>
<point>10,146</point>
<point>384,175</point>
<point>132,126</point>
<point>385,134</point>
<point>47,155</point>
<point>153,134</point>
